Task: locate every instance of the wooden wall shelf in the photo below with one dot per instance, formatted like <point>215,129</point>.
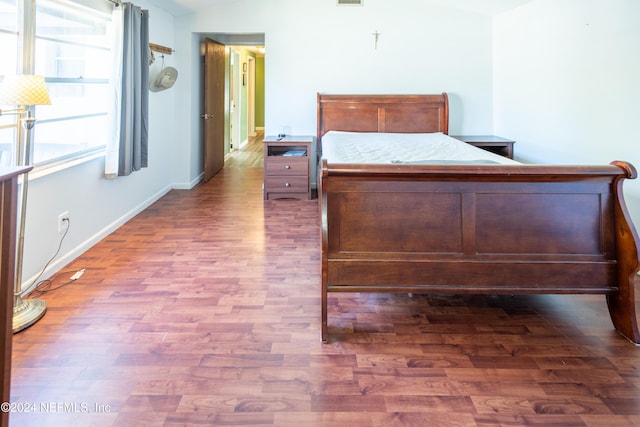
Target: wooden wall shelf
<point>159,48</point>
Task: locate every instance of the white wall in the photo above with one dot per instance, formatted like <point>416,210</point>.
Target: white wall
<point>567,83</point>
<point>315,46</point>
<point>97,206</point>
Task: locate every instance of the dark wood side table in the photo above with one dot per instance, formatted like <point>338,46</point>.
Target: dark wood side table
<point>495,144</point>
<point>287,166</point>
<point>8,224</point>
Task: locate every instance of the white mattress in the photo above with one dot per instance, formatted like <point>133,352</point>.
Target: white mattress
<point>424,148</point>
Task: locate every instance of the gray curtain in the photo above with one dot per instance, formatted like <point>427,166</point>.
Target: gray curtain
<point>134,119</point>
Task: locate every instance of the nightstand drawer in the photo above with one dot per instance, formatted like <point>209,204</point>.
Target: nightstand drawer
<point>287,184</point>
<point>287,165</point>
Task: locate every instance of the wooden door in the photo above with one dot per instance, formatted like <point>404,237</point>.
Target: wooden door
<point>213,115</point>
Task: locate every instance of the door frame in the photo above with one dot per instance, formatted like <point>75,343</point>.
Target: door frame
<point>230,39</point>
<point>235,95</point>
<point>251,96</point>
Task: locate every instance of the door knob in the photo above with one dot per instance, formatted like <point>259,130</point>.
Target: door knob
<point>207,116</point>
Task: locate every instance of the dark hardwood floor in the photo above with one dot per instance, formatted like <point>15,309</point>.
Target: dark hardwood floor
<point>205,310</point>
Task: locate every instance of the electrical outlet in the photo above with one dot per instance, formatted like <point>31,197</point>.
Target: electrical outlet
<point>63,221</point>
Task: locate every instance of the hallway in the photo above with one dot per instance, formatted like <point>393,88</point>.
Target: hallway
<point>249,156</point>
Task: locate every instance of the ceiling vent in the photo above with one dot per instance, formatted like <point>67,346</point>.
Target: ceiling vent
<point>350,2</point>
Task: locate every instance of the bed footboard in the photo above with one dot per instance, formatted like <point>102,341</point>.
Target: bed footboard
<point>514,229</point>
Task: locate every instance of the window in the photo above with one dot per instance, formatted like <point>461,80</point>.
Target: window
<point>71,49</point>
<point>8,65</point>
<point>8,36</point>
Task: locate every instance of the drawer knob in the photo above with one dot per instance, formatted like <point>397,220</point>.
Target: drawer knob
<point>286,184</point>
<point>287,167</point>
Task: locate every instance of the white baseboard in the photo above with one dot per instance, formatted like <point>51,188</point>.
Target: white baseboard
<point>189,184</point>
<point>29,284</point>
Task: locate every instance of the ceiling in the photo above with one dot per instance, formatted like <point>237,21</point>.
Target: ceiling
<point>485,7</point>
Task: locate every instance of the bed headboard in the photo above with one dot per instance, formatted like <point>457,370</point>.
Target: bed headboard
<point>383,113</point>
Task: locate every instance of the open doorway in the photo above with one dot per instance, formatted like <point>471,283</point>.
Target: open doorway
<point>246,107</point>
<point>244,91</point>
<point>246,95</point>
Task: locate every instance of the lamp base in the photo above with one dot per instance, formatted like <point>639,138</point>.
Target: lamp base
<point>27,312</point>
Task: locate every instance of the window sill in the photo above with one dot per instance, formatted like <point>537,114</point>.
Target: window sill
<point>48,169</point>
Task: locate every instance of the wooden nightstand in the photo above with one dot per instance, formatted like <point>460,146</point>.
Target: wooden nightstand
<point>287,166</point>
<point>495,144</point>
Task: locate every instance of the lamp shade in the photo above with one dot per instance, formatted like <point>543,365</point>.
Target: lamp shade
<point>24,89</point>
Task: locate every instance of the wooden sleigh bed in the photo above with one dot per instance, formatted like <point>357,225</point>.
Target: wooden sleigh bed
<point>484,229</point>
